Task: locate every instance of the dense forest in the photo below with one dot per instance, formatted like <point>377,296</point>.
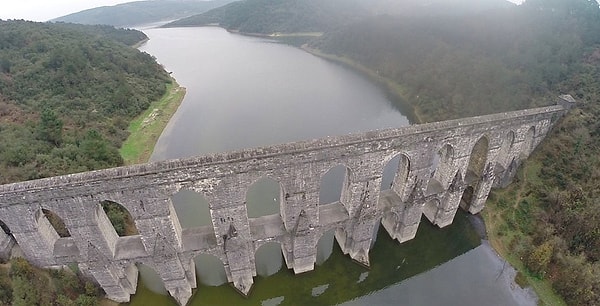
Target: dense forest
<point>450,63</point>
<point>141,12</point>
<point>67,95</point>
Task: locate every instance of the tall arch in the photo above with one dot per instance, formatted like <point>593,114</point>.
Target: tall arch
<point>192,209</point>
<point>210,270</point>
<point>120,218</point>
<point>325,246</point>
<point>505,149</point>
<point>467,197</point>
<point>477,160</point>
<point>263,198</point>
<point>151,280</point>
<point>333,183</point>
<point>268,258</point>
<point>395,174</point>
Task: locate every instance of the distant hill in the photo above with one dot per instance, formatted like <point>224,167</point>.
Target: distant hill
<point>141,12</point>
<point>270,16</point>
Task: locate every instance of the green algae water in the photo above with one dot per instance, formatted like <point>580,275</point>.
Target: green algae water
<point>339,279</point>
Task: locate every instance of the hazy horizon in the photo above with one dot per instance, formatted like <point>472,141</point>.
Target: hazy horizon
<point>44,10</point>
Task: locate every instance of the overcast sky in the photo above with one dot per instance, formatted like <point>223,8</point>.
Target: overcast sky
<point>44,10</point>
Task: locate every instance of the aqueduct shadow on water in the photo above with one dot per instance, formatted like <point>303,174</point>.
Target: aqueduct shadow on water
<point>441,166</point>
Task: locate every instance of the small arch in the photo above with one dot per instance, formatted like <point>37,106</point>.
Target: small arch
<point>325,246</point>
<point>263,198</point>
<point>210,270</point>
<point>120,218</point>
<point>268,258</point>
<point>151,280</point>
<point>57,223</point>
<point>477,160</point>
<point>192,209</point>
<point>332,184</point>
<point>395,173</point>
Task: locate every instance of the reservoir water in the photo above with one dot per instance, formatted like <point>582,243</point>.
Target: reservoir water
<point>247,92</point>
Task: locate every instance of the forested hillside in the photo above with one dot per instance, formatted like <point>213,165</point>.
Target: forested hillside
<point>291,16</point>
<point>141,12</point>
<point>493,61</point>
<point>67,94</point>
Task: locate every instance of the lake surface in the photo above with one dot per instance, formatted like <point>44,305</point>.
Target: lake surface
<point>246,92</point>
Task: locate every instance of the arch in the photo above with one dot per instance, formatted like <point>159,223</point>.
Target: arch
<point>268,258</point>
<point>192,209</point>
<point>210,270</point>
<point>333,183</point>
<point>430,209</point>
<point>395,173</point>
<point>528,143</point>
<point>263,198</point>
<point>467,198</point>
<point>120,218</point>
<point>151,280</point>
<point>325,246</point>
<point>505,149</point>
<point>477,160</point>
<point>57,223</point>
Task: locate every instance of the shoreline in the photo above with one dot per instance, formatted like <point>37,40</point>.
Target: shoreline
<point>146,128</point>
<point>396,92</point>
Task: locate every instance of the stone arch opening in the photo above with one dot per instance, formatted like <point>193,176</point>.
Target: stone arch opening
<point>395,174</point>
<point>527,147</point>
<point>263,198</point>
<point>332,184</point>
<point>57,223</point>
<point>120,218</point>
<point>210,270</point>
<point>151,280</point>
<point>477,160</point>
<point>325,246</point>
<point>505,148</point>
<point>430,210</point>
<point>441,168</point>
<point>467,197</point>
<point>192,209</point>
<point>268,258</point>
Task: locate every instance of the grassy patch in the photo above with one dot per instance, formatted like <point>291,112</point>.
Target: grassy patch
<point>507,215</point>
<point>145,129</point>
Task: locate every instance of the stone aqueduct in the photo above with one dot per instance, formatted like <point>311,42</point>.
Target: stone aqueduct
<point>443,165</point>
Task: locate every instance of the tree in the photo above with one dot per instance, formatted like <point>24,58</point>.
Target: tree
<point>50,127</point>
